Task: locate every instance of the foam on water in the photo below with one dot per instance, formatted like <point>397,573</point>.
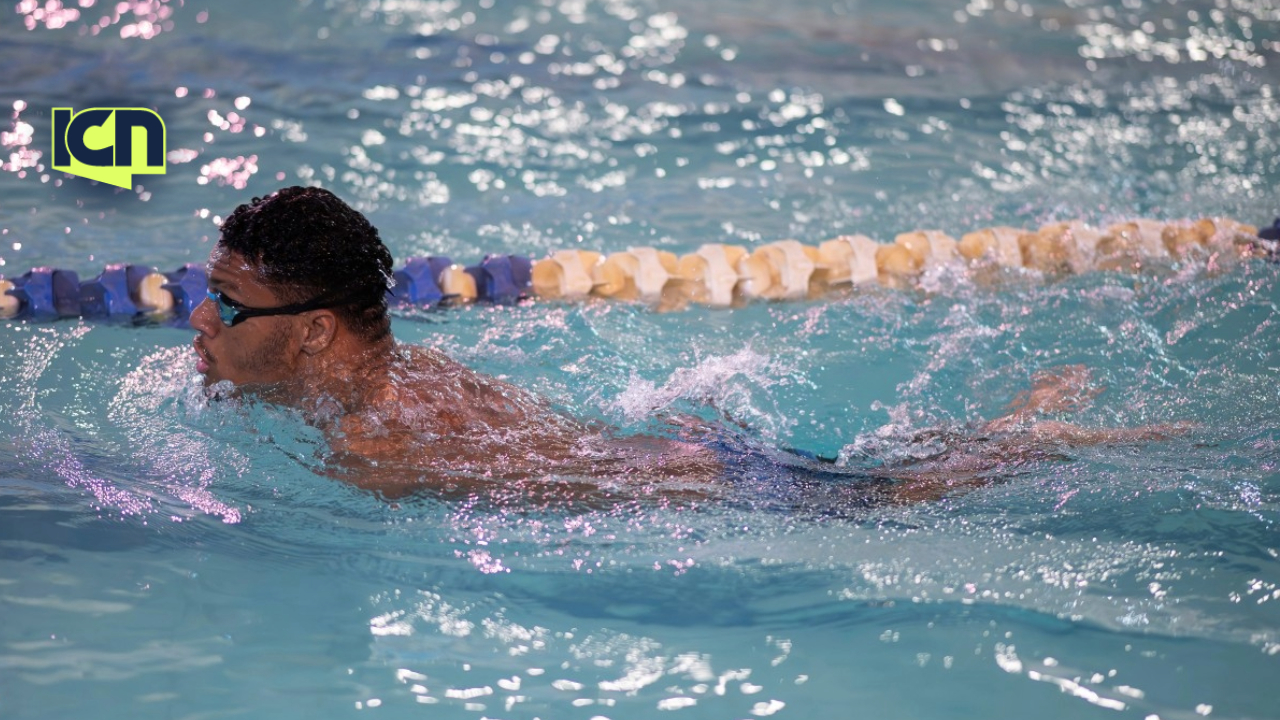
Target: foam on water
<point>711,382</point>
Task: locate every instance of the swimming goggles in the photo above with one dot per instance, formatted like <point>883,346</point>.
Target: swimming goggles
<point>233,313</point>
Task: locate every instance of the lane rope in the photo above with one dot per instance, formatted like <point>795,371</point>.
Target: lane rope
<point>715,275</point>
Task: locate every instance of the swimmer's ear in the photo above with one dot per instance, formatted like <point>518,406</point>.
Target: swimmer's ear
<point>320,327</point>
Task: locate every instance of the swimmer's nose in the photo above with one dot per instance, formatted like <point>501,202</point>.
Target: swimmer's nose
<point>205,318</point>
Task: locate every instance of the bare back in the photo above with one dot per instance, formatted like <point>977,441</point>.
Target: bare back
<point>431,421</point>
<point>427,422</point>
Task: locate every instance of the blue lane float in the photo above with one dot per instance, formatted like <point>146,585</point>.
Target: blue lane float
<point>502,279</point>
<point>188,285</point>
<point>417,282</point>
<point>120,293</point>
<point>114,293</point>
<point>1272,233</point>
<point>46,293</point>
<point>715,275</point>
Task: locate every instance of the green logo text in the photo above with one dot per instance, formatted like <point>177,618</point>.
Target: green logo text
<point>109,145</point>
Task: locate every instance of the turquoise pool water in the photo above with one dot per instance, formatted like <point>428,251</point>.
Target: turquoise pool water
<point>161,557</point>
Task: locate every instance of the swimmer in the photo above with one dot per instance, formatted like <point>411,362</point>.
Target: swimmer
<point>296,315</point>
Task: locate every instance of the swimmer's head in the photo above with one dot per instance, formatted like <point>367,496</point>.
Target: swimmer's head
<point>309,244</point>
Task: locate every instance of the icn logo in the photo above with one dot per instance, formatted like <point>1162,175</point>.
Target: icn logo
<point>109,145</point>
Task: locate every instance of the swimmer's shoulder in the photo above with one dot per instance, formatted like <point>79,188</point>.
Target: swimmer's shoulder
<point>442,377</point>
<point>403,392</point>
<point>418,359</point>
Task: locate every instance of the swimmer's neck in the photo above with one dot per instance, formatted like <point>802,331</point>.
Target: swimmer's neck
<point>340,380</point>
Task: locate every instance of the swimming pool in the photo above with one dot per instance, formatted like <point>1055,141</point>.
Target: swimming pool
<point>161,556</point>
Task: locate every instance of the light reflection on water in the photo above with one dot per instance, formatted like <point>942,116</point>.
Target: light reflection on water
<point>820,122</point>
<point>178,557</point>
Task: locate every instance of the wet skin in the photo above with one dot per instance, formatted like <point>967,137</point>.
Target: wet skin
<point>403,419</point>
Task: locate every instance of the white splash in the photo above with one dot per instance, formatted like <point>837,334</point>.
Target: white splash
<point>708,381</point>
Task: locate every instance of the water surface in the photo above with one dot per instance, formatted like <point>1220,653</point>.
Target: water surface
<point>161,556</point>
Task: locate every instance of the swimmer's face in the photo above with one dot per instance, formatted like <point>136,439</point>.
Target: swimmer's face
<point>256,351</point>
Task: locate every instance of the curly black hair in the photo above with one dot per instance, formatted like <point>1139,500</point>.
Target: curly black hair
<point>310,244</point>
